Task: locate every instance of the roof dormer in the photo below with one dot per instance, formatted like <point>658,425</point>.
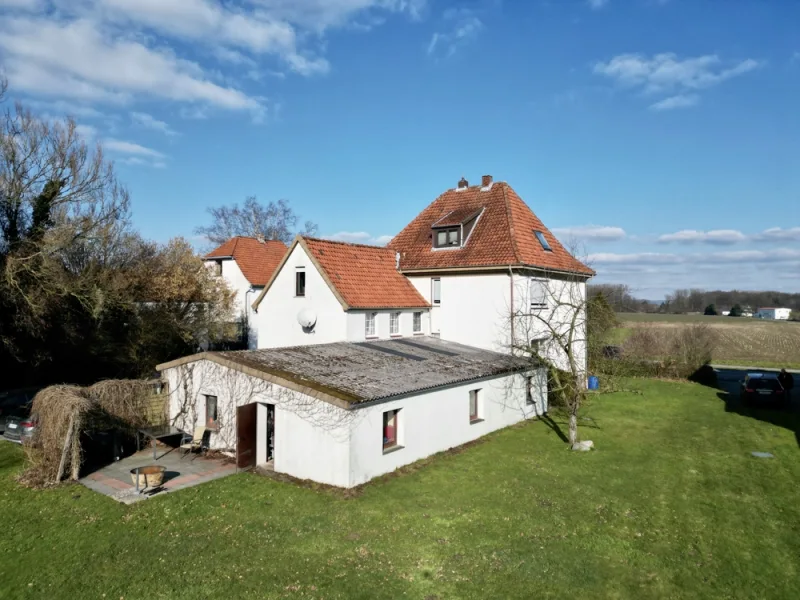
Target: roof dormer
<point>453,229</point>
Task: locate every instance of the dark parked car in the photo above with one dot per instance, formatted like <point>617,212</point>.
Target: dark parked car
<point>763,389</point>
<point>15,403</point>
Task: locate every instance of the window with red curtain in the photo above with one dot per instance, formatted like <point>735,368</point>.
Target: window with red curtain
<point>390,428</point>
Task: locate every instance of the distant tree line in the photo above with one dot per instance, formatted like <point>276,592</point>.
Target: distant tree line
<point>695,300</point>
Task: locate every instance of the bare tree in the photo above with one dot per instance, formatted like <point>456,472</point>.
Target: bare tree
<point>273,221</point>
<point>548,323</point>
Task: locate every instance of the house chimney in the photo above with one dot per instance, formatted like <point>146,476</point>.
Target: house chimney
<point>486,181</point>
<point>397,260</point>
<point>463,183</point>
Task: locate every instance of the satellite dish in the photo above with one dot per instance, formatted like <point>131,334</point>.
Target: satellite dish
<point>307,318</point>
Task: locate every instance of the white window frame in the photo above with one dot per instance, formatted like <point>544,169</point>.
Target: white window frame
<point>537,293</point>
<point>417,322</point>
<point>436,286</point>
<point>475,417</point>
<point>369,324</point>
<point>394,323</point>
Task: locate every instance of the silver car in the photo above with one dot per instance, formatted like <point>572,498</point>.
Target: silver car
<point>15,415</point>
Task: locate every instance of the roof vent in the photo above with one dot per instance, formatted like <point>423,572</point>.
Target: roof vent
<point>463,183</point>
<point>486,180</point>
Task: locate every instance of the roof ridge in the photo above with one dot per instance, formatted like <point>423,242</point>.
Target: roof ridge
<point>356,244</point>
<point>512,233</point>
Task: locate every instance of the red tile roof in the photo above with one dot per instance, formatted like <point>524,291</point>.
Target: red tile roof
<point>504,234</point>
<point>363,276</point>
<point>257,260</point>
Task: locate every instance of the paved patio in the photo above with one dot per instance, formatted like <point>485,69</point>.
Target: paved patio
<point>115,481</point>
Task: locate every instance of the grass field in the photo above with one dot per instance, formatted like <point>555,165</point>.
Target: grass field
<point>747,342</point>
<point>671,505</point>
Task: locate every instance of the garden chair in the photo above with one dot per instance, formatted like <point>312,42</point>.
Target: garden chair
<point>198,442</point>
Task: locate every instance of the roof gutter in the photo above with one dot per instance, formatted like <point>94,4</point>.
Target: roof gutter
<point>437,270</point>
<point>511,286</point>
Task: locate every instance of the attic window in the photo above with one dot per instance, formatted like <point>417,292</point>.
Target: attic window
<point>453,229</point>
<point>545,245</point>
<point>444,238</point>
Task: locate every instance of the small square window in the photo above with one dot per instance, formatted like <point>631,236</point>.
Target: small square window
<point>417,322</point>
<point>211,412</point>
<point>441,238</point>
<point>218,268</point>
<point>394,323</point>
<point>391,422</point>
<point>369,324</point>
<point>474,406</point>
<point>543,241</point>
<point>529,391</point>
<point>437,291</point>
<point>300,284</point>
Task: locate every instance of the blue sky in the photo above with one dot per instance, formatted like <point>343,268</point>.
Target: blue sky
<point>662,134</point>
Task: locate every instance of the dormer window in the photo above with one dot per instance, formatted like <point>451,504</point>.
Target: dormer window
<point>545,244</point>
<point>447,237</point>
<point>454,228</point>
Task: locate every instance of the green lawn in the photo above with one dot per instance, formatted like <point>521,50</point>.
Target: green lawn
<point>671,505</point>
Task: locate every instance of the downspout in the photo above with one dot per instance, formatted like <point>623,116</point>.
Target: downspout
<point>511,285</point>
<point>247,317</point>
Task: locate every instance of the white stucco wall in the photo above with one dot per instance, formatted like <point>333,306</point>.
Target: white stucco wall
<point>244,295</point>
<point>311,436</point>
<point>276,318</point>
<point>436,421</point>
<point>474,308</point>
<point>319,441</point>
<point>356,324</point>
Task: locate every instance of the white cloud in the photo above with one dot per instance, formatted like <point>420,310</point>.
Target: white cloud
<point>76,60</point>
<point>463,27</point>
<point>131,148</point>
<point>21,4</point>
<point>87,132</point>
<point>692,236</point>
<point>695,259</point>
<point>596,4</point>
<point>149,122</point>
<point>121,51</point>
<point>595,233</point>
<point>679,101</point>
<point>667,74</point>
<point>779,234</point>
<point>360,237</point>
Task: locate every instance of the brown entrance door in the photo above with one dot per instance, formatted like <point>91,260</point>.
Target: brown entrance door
<point>246,436</point>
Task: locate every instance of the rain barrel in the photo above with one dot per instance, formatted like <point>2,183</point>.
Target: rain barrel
<point>594,383</point>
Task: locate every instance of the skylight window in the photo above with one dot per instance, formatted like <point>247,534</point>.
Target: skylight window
<point>540,236</point>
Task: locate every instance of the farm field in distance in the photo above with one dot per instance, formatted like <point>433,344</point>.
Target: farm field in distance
<point>740,341</point>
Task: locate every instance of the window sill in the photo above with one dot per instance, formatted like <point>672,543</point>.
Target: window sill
<point>371,337</point>
<point>390,449</point>
<point>300,296</point>
<point>419,333</point>
<point>395,335</point>
<point>475,421</point>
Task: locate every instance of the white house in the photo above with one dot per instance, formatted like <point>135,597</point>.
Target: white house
<point>495,276</point>
<point>246,264</point>
<point>476,267</point>
<point>325,291</point>
<point>767,312</point>
<point>344,413</point>
<point>371,358</point>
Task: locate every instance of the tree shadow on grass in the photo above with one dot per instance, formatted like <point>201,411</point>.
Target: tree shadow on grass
<point>548,420</point>
<point>728,390</point>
